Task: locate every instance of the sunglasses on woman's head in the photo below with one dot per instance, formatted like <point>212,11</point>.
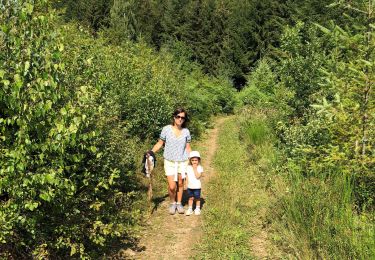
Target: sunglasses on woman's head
<point>180,117</point>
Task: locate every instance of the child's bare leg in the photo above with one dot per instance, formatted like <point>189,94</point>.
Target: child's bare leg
<point>190,209</point>
<point>198,203</point>
<point>197,207</point>
<point>191,200</point>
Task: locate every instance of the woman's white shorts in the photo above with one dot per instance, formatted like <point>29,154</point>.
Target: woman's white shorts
<point>172,168</point>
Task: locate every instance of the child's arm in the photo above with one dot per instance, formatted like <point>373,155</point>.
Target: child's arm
<point>197,174</point>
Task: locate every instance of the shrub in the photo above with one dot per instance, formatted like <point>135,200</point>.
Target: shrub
<point>61,195</point>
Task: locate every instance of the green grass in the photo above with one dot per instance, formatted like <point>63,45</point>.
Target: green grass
<point>235,200</point>
<point>313,216</point>
<point>254,132</point>
<point>307,217</point>
<point>318,221</point>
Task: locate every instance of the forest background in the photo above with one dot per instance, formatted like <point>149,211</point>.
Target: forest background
<point>86,86</point>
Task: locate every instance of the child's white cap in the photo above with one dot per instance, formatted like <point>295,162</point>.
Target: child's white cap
<point>195,154</point>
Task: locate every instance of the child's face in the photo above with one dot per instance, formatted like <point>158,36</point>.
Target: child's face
<point>194,161</point>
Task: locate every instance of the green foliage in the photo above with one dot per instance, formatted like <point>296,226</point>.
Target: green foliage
<point>316,11</point>
<point>145,86</point>
<point>318,207</point>
<point>351,112</point>
<point>263,77</point>
<point>62,195</point>
<point>329,150</point>
<point>259,89</point>
<point>44,137</point>
<point>225,37</point>
<point>136,21</point>
<point>92,13</point>
<point>207,96</point>
<point>255,132</point>
<point>299,68</point>
<point>263,91</point>
<point>252,96</point>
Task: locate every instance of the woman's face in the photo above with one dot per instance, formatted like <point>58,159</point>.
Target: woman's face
<point>179,119</point>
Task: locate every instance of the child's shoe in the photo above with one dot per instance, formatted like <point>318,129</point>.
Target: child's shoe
<point>197,211</point>
<point>189,212</point>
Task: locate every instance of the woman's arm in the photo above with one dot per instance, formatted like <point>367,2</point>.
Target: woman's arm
<point>157,146</point>
<point>188,148</point>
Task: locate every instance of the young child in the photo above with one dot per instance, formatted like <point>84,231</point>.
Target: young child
<point>193,174</point>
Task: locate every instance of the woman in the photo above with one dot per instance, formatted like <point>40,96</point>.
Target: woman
<point>176,140</point>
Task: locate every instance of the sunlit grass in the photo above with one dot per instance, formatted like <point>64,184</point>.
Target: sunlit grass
<point>234,202</point>
<point>320,211</point>
<point>254,132</point>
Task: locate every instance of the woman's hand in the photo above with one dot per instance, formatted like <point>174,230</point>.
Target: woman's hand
<point>157,146</point>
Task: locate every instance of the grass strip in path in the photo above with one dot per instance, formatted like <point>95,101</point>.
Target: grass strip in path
<point>235,203</point>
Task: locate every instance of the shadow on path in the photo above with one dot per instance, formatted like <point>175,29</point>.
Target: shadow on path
<point>157,202</point>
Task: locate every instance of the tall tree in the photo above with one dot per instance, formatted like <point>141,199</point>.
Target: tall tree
<point>93,13</point>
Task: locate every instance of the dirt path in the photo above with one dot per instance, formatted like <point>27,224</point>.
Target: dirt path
<point>173,236</point>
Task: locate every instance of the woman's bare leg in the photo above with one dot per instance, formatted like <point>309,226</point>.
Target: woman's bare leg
<point>180,188</point>
<point>171,189</point>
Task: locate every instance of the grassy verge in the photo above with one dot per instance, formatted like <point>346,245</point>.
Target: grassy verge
<point>312,216</point>
<point>316,217</point>
<point>236,199</point>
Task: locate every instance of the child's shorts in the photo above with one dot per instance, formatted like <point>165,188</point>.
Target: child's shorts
<point>196,193</point>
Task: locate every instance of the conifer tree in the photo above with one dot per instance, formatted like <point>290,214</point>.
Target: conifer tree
<point>93,13</point>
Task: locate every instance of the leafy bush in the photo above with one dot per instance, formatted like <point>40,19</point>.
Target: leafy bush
<point>62,197</point>
<point>252,96</point>
<point>263,91</point>
<point>75,114</point>
<point>207,96</point>
<point>301,57</point>
<point>259,88</point>
<point>329,164</point>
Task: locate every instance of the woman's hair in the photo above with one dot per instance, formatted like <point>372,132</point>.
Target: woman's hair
<point>178,111</point>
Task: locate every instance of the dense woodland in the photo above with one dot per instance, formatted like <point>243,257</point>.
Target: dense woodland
<point>86,85</point>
